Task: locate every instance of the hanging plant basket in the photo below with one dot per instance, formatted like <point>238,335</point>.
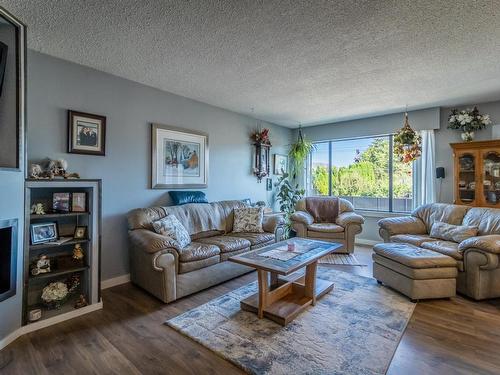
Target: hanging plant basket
<point>407,143</point>
<point>299,151</point>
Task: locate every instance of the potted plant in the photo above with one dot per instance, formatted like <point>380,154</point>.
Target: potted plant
<point>288,195</point>
<point>468,121</point>
<point>299,151</point>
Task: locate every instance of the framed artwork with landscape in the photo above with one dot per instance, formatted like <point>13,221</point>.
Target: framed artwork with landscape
<point>179,158</point>
<point>86,133</point>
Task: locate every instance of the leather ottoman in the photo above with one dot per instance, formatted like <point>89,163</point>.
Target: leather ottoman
<point>417,273</point>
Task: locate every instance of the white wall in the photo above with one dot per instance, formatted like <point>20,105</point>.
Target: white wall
<point>56,85</point>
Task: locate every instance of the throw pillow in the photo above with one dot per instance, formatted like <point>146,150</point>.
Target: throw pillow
<point>449,232</point>
<point>248,219</point>
<point>183,197</point>
<point>171,227</point>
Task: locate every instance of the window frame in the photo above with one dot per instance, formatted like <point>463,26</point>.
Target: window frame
<point>390,196</point>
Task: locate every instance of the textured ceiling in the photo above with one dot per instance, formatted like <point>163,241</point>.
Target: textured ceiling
<point>293,61</point>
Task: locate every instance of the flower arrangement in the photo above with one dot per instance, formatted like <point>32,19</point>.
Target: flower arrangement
<point>55,294</point>
<point>468,121</point>
<point>407,143</point>
<point>262,136</point>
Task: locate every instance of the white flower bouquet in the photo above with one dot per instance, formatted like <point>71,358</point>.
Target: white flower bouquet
<point>468,121</point>
<point>55,295</point>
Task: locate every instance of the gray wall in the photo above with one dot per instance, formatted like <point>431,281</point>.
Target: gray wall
<point>444,137</point>
<point>56,85</point>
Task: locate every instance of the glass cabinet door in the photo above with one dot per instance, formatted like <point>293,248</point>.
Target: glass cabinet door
<point>466,178</point>
<point>491,177</point>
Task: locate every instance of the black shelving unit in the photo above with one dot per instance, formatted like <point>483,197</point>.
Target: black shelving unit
<point>41,191</point>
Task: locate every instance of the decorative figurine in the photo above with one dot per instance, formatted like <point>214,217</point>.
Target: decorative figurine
<point>34,315</point>
<point>77,252</point>
<point>52,169</point>
<point>80,302</point>
<point>38,209</point>
<point>42,265</point>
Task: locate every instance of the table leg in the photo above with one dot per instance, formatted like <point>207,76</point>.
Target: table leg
<point>274,278</point>
<point>263,291</point>
<point>310,282</point>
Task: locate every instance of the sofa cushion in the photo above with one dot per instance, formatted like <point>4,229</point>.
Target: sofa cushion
<point>185,267</point>
<point>248,219</point>
<point>325,227</point>
<point>487,220</point>
<point>449,232</point>
<point>197,251</point>
<point>416,273</point>
<point>447,213</point>
<point>323,209</point>
<point>170,227</point>
<point>226,256</point>
<point>255,238</point>
<point>444,247</point>
<point>413,239</point>
<point>413,256</point>
<point>227,243</point>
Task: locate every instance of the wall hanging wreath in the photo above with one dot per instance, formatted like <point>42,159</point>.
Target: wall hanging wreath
<point>407,143</point>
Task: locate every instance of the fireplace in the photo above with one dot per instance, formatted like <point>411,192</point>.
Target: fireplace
<point>8,258</point>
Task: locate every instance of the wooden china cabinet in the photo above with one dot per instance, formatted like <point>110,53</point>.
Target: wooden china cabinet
<point>477,173</point>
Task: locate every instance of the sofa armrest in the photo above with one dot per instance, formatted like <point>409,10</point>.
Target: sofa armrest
<point>402,225</point>
<point>271,222</point>
<point>152,242</point>
<point>489,244</point>
<point>302,217</point>
<point>347,218</point>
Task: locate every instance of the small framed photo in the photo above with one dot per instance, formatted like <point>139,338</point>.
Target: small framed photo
<point>269,184</point>
<point>80,232</point>
<point>43,232</point>
<point>61,202</point>
<point>79,202</point>
<point>280,164</point>
<point>86,133</point>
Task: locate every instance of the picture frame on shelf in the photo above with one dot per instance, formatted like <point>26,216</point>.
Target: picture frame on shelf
<point>80,232</point>
<point>86,133</point>
<point>280,164</point>
<point>179,158</point>
<point>61,202</point>
<point>79,202</point>
<point>43,232</point>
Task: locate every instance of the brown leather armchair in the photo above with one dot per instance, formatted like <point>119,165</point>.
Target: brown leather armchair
<point>341,226</point>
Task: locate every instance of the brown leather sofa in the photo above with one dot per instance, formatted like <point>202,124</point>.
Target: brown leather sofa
<point>477,258</point>
<point>169,273</point>
<point>343,229</point>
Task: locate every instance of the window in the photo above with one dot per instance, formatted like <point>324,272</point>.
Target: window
<point>364,171</point>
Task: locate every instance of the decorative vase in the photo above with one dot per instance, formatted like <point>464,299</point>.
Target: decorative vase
<point>467,136</point>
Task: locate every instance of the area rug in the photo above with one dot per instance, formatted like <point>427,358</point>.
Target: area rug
<point>341,260</point>
<point>355,329</point>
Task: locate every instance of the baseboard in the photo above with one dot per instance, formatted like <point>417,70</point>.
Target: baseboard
<point>362,241</point>
<point>11,337</point>
<point>109,283</point>
<point>48,322</point>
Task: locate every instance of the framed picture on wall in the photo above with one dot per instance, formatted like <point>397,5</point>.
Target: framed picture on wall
<point>179,158</point>
<point>280,164</point>
<point>86,133</point>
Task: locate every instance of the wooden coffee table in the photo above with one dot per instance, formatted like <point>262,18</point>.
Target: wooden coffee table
<point>281,299</point>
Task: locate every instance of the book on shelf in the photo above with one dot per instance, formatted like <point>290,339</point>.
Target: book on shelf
<point>61,240</point>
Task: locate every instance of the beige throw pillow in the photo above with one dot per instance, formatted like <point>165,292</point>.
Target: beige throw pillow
<point>171,227</point>
<point>449,232</point>
<point>248,219</point>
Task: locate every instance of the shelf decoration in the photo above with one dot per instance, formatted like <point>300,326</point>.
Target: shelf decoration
<point>468,121</point>
<point>55,295</point>
<point>407,143</point>
<point>262,145</point>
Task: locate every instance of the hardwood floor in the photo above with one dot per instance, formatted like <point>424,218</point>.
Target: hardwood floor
<point>456,336</point>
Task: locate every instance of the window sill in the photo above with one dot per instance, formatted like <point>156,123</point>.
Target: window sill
<point>380,214</point>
